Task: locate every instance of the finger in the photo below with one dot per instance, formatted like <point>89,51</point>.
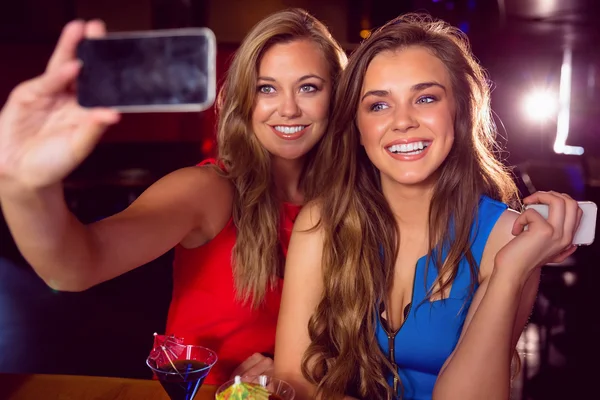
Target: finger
<point>95,29</point>
<point>579,216</point>
<point>94,125</point>
<point>248,364</point>
<point>540,197</point>
<point>557,213</point>
<point>50,83</point>
<point>563,255</point>
<point>92,29</point>
<point>66,47</point>
<point>528,217</point>
<point>535,198</point>
<point>264,366</point>
<point>571,219</point>
<point>556,208</point>
<point>105,116</point>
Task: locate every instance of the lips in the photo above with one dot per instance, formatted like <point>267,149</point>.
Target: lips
<point>290,132</point>
<point>408,150</point>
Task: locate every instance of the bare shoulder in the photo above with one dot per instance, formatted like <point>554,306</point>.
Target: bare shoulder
<point>208,179</point>
<point>202,175</point>
<point>309,217</point>
<point>306,244</point>
<point>501,234</point>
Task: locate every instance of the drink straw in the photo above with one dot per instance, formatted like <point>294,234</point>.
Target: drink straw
<point>262,380</point>
<point>164,349</point>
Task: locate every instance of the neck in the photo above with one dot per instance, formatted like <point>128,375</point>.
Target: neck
<point>286,175</point>
<point>409,204</point>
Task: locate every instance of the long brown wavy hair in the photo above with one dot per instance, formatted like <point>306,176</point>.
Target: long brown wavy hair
<point>257,257</point>
<point>361,235</point>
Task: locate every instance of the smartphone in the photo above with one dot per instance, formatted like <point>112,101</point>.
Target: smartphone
<point>151,71</point>
<point>586,231</point>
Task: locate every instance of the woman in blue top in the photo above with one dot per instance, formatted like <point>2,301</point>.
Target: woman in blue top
<point>414,278</point>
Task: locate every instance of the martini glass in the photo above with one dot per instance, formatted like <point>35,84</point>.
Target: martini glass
<point>180,368</point>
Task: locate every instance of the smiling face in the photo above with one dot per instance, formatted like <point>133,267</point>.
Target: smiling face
<point>293,93</point>
<point>406,115</point>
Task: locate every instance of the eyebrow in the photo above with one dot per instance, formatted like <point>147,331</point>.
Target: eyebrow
<point>302,78</point>
<point>415,88</point>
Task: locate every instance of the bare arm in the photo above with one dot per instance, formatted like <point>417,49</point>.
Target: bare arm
<point>71,256</point>
<point>302,291</point>
<point>496,318</point>
<point>45,135</point>
<point>479,367</point>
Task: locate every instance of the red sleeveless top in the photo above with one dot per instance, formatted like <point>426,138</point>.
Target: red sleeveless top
<point>204,310</point>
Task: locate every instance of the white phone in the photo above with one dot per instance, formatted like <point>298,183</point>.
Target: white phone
<point>587,227</point>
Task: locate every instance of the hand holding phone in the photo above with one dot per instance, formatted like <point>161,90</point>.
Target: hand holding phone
<point>585,234</point>
<point>44,133</point>
<point>546,233</point>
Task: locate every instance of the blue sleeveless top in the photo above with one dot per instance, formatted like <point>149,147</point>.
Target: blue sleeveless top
<point>431,330</point>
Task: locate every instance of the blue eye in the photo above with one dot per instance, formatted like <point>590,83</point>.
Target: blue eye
<point>426,100</point>
<point>378,107</point>
<point>266,89</point>
<point>308,88</point>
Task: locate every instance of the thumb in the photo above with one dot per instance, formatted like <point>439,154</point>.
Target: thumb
<point>57,80</point>
<point>528,217</point>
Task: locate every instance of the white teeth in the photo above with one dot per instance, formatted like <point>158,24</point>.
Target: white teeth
<point>288,130</point>
<point>409,148</point>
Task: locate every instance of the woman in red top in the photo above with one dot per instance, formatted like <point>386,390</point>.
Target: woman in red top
<point>229,220</point>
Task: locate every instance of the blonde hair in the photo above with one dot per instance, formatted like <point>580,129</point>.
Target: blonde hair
<point>257,257</point>
<point>361,236</point>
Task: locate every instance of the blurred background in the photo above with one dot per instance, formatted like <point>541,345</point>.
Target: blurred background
<point>541,56</point>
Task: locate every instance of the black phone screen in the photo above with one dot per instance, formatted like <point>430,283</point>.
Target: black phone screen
<point>156,70</point>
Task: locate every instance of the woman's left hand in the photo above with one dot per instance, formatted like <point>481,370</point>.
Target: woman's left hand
<point>256,364</point>
<point>544,241</point>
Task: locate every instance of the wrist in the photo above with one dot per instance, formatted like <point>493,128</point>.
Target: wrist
<point>510,276</point>
<point>15,192</point>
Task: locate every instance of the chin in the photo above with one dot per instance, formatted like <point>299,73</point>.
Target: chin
<point>411,182</point>
<point>415,179</point>
<point>289,155</point>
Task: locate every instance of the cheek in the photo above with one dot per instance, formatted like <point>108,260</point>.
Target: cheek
<point>442,122</point>
<point>262,110</point>
<point>317,108</point>
<point>371,130</point>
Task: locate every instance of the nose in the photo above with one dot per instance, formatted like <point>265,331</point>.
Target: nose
<point>289,108</point>
<point>404,119</point>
